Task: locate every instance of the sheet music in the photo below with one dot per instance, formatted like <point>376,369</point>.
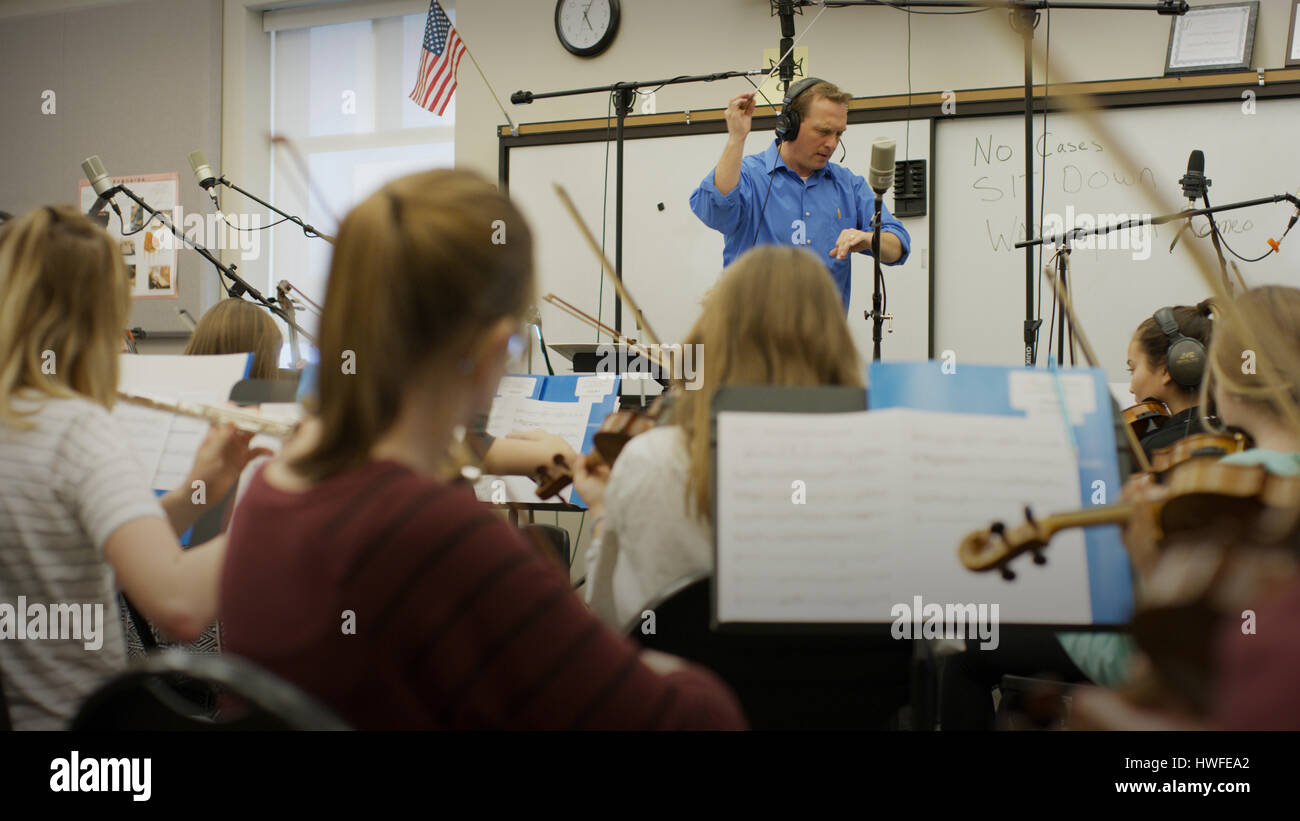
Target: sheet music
<point>889,495</point>
<point>165,443</point>
<point>511,413</point>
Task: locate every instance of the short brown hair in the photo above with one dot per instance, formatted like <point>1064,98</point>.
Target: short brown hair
<point>823,89</point>
<point>239,326</point>
<point>64,301</point>
<point>428,261</point>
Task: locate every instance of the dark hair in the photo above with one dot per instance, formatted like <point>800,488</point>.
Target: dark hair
<point>1193,323</point>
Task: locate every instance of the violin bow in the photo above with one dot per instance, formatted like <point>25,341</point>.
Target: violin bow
<point>1067,304</point>
<point>606,266</point>
<point>1082,103</point>
<point>588,319</point>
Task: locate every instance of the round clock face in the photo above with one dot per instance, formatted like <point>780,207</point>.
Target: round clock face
<point>586,27</point>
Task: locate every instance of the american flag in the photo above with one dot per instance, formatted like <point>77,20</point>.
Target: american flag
<point>443,49</point>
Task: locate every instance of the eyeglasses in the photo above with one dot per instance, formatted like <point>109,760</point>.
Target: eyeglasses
<point>516,345</point>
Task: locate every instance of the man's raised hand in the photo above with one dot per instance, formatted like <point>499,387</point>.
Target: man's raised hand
<point>740,115</point>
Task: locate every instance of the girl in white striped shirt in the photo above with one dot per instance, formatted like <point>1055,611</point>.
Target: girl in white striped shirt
<point>78,520</point>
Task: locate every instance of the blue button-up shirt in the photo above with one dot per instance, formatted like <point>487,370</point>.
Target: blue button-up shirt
<point>811,213</point>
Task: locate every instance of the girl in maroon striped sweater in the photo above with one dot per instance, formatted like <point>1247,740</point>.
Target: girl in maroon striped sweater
<point>356,572</point>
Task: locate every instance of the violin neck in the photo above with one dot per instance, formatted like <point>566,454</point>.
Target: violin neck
<point>1091,517</point>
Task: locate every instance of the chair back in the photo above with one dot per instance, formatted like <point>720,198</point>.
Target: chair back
<point>149,697</point>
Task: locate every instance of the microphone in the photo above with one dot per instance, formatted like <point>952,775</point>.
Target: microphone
<point>204,176</point>
<point>881,175</point>
<point>1194,182</point>
<point>94,170</point>
<point>521,97</point>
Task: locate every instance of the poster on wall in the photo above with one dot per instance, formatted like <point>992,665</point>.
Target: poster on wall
<point>147,245</point>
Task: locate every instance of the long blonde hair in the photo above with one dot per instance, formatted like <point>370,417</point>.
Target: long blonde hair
<point>774,318</point>
<point>239,326</point>
<point>427,260</point>
<point>1273,312</point>
<point>64,301</point>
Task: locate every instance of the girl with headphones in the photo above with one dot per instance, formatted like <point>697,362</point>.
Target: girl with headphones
<point>1166,362</point>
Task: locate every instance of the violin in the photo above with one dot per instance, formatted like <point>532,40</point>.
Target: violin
<point>1208,542</point>
<point>614,433</point>
<point>619,427</point>
<point>1146,416</point>
<point>1199,446</point>
<point>1197,494</point>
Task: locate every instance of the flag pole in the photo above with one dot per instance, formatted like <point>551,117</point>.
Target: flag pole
<point>514,129</point>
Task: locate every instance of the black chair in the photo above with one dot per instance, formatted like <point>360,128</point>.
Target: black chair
<point>789,681</point>
<point>552,538</point>
<point>147,698</point>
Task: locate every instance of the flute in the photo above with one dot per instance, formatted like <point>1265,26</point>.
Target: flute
<point>244,420</point>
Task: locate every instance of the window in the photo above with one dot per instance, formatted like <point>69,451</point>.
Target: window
<point>339,93</point>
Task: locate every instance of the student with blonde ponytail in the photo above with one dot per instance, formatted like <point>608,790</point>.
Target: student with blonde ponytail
<point>774,318</point>
<point>77,516</point>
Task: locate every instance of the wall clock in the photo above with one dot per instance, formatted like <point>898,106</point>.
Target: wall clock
<point>586,27</point>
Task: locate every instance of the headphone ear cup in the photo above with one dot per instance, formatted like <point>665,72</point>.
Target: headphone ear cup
<point>787,126</point>
<point>1185,362</point>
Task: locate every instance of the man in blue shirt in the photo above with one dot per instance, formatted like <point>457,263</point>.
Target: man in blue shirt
<point>792,194</point>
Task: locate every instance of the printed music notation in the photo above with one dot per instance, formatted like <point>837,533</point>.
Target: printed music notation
<point>836,517</point>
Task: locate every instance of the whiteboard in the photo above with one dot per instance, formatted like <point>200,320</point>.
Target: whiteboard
<point>979,289</point>
<point>670,258</point>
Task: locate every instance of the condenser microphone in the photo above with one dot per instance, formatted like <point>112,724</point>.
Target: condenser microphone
<point>1194,182</point>
<point>203,175</point>
<point>881,175</point>
<point>94,170</point>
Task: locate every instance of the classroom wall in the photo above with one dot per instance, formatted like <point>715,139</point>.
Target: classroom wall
<point>138,83</point>
<point>864,50</point>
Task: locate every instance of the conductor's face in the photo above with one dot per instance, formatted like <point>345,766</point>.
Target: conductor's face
<point>819,136</point>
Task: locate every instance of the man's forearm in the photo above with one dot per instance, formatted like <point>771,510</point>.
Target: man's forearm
<point>891,247</point>
<point>726,176</point>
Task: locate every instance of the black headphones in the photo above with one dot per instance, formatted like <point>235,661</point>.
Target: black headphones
<point>787,122</point>
<point>1185,357</point>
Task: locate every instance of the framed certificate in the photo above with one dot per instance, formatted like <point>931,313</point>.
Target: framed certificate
<point>1292,46</point>
<point>1212,38</point>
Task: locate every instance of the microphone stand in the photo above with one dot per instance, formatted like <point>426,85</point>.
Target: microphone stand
<point>241,285</point>
<point>1024,19</point>
<point>1077,233</point>
<point>307,229</point>
<point>1062,270</point>
<point>877,296</point>
<point>624,96</point>
<point>1063,240</point>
